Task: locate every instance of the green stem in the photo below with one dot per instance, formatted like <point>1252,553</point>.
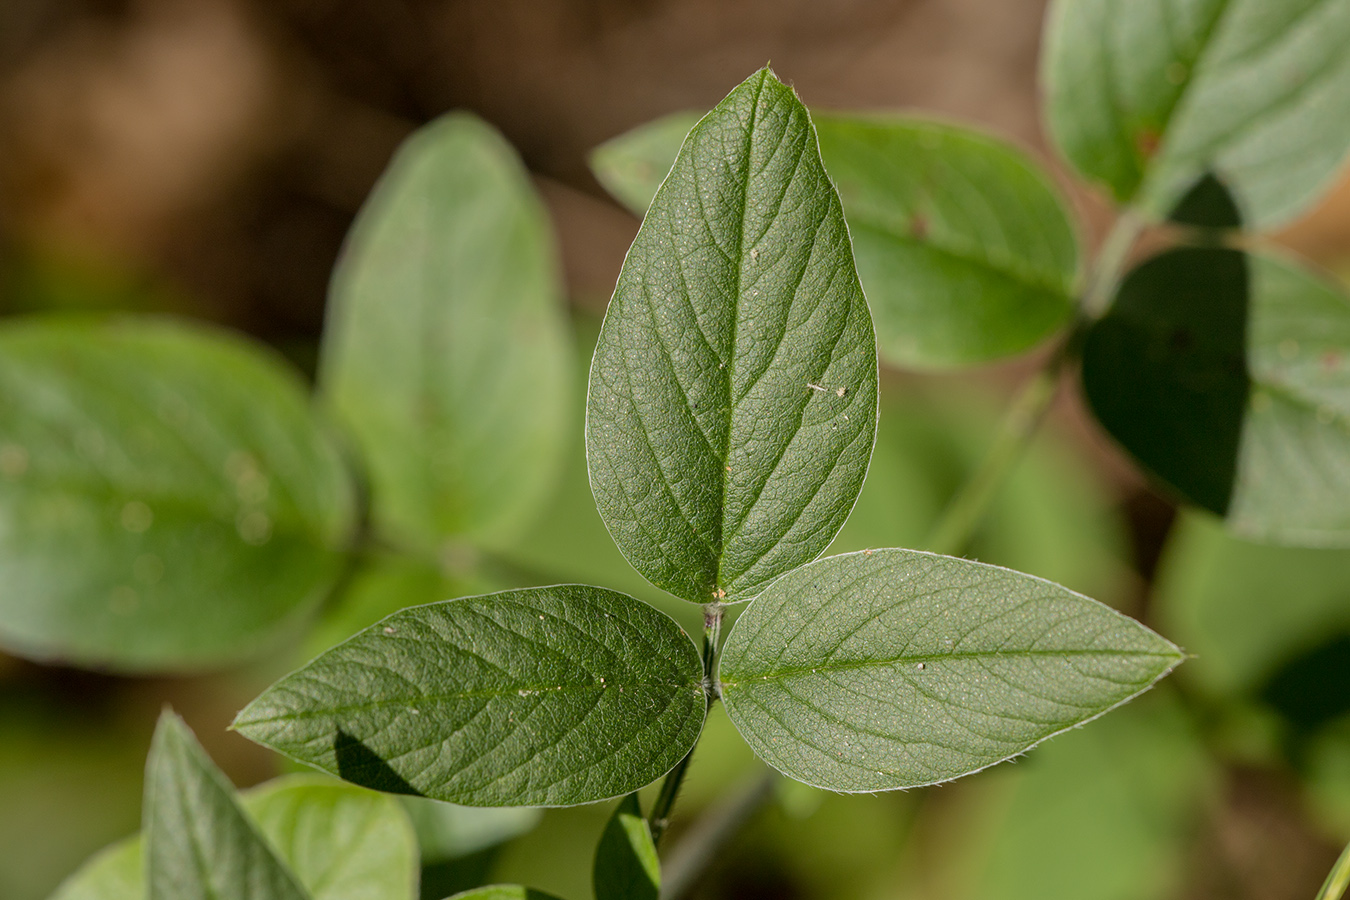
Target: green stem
<point>1338,879</point>
<point>659,816</point>
<point>1111,259</point>
<point>710,834</point>
<point>968,508</point>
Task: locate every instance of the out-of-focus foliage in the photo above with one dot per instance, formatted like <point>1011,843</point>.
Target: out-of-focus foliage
<point>445,350</point>
<point>167,498</point>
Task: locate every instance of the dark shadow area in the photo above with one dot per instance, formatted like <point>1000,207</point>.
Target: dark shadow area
<point>1208,204</point>
<point>359,764</point>
<point>443,878</point>
<point>1166,370</point>
<point>1313,689</point>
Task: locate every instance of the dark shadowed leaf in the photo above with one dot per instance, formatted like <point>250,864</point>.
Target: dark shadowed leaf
<point>1208,204</point>
<point>626,866</point>
<point>199,843</point>
<point>1227,375</point>
<point>893,668</point>
<point>540,697</point>
<point>446,350</point>
<point>733,390</point>
<point>1148,97</point>
<point>167,498</point>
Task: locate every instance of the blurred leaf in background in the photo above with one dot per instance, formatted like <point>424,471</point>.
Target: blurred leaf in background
<point>446,349</point>
<point>1253,91</point>
<point>185,473</point>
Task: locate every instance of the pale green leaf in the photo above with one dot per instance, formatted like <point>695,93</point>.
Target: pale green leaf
<point>1245,609</point>
<point>733,390</point>
<point>1149,97</point>
<point>963,244</point>
<point>1227,376</point>
<point>446,351</point>
<point>894,668</point>
<point>167,498</point>
<point>341,842</point>
<point>539,697</point>
<point>502,892</point>
<point>626,866</point>
<point>633,165</point>
<point>116,872</point>
<point>199,843</point>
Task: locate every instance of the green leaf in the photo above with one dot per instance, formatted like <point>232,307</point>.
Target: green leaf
<point>893,668</point>
<point>963,244</point>
<point>540,697</point>
<point>446,351</point>
<point>199,843</point>
<point>167,498</point>
<point>626,867</point>
<point>1149,97</point>
<point>633,165</point>
<point>341,842</point>
<point>502,892</point>
<point>733,391</point>
<point>116,872</point>
<point>1246,609</point>
<point>1226,375</point>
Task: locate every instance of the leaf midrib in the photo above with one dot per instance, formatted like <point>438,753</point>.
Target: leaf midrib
<point>539,690</point>
<point>730,379</point>
<point>798,671</point>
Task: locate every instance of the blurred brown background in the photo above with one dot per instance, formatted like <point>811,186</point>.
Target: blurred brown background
<point>206,157</point>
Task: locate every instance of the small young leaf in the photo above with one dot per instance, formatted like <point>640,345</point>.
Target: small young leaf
<point>733,391</point>
<point>893,668</point>
<point>167,499</point>
<point>199,844</point>
<point>1227,375</point>
<point>446,351</point>
<point>341,842</point>
<point>502,892</point>
<point>964,247</point>
<point>633,165</point>
<point>117,872</point>
<point>1149,97</point>
<point>626,866</point>
<point>540,697</point>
